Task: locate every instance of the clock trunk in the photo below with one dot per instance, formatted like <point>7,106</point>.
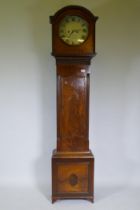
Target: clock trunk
<point>73,103</point>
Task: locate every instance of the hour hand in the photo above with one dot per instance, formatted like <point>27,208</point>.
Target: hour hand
<point>73,31</point>
<point>69,33</point>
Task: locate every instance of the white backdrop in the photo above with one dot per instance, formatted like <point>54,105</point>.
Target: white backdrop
<point>28,92</point>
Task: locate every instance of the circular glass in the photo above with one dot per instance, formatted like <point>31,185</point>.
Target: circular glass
<point>73,30</point>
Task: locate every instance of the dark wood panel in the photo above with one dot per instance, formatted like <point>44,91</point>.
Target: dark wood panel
<point>73,177</point>
<point>73,107</point>
<point>73,99</point>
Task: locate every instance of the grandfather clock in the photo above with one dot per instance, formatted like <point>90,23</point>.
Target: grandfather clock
<point>73,46</point>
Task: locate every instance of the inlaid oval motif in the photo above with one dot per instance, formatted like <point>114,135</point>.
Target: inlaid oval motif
<point>73,179</point>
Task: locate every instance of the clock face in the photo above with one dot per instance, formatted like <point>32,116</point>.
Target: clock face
<point>73,30</point>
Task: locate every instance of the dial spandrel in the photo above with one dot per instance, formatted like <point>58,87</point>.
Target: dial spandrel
<point>73,30</point>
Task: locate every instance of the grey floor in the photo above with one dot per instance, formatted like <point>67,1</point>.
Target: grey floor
<point>107,198</point>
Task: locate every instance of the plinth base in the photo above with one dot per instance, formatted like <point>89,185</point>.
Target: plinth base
<point>72,175</point>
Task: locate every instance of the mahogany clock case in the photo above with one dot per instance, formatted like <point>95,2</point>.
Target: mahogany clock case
<point>72,161</point>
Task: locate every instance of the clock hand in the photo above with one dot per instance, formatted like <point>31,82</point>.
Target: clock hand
<point>71,33</point>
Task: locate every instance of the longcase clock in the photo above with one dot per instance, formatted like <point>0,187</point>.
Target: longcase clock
<point>73,46</point>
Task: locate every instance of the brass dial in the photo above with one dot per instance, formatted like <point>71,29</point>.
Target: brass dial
<point>73,30</point>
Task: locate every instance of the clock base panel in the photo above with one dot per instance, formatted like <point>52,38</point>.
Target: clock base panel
<point>72,175</point>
